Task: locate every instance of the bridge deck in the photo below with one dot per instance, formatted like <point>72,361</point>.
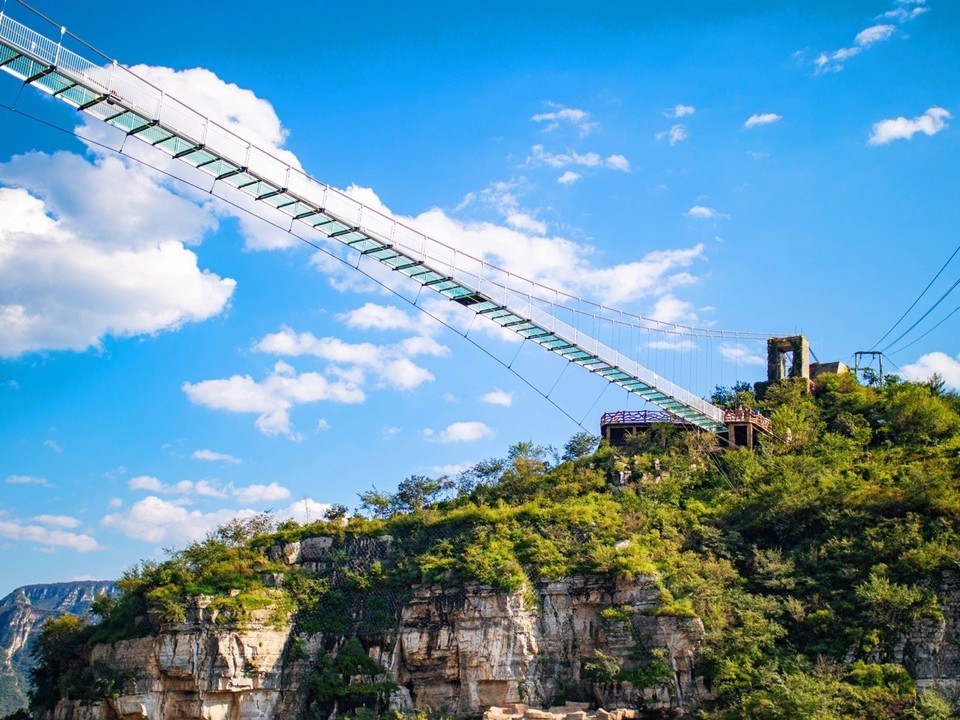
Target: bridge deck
<point>129,103</point>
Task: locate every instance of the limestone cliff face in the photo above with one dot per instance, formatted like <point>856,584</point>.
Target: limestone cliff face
<point>462,649</point>
<point>469,649</point>
<point>195,669</point>
<point>22,614</point>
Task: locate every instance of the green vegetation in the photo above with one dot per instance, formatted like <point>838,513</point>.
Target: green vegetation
<point>807,560</point>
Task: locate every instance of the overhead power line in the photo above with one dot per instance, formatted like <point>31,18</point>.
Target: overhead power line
<point>914,304</point>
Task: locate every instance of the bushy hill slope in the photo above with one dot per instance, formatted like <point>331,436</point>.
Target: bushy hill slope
<point>814,563</point>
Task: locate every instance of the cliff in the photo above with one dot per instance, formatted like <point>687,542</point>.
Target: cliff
<point>462,650</point>
<point>22,614</point>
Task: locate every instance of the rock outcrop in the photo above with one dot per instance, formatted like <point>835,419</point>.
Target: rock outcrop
<point>22,614</point>
<point>463,649</point>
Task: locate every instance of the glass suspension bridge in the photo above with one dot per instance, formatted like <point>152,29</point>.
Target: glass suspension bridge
<point>558,322</point>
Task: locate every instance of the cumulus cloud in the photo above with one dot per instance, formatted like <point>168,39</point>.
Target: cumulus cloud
<point>569,177</point>
<point>931,122</point>
<point>464,431</point>
<point>204,488</point>
<point>64,286</point>
<point>254,493</point>
<point>497,397</point>
<point>303,511</point>
<point>834,61</point>
<point>47,537</point>
<point>27,480</point>
<point>155,520</point>
<point>935,363</point>
<point>260,493</point>
<point>580,119</point>
<point>679,111</point>
<point>211,456</point>
<point>96,269</point>
<point>673,310</point>
<point>61,521</point>
<point>378,317</point>
<point>741,354</point>
<point>705,213</point>
<point>539,156</point>
<point>555,261</point>
<point>677,133</point>
<point>762,119</point>
<point>390,364</point>
<point>272,398</point>
<point>230,106</point>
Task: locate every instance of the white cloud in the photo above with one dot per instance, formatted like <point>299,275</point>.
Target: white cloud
<point>205,488</point>
<point>618,162</point>
<point>389,432</point>
<point>833,61</point>
<point>540,156</point>
<point>49,538</point>
<point>930,123</point>
<point>674,342</point>
<point>677,133</point>
<point>115,503</point>
<point>274,397</point>
<point>211,456</point>
<point>61,521</point>
<point>64,286</point>
<point>741,354</point>
<point>261,493</point>
<point>27,480</point>
<point>558,262</point>
<point>378,317</point>
<point>465,431</point>
<point>303,511</point>
<point>579,119</point>
<point>569,177</point>
<point>155,520</point>
<point>234,108</point>
<point>704,212</point>
<point>497,397</point>
<point>679,111</point>
<point>871,35</point>
<point>449,470</point>
<point>525,223</point>
<point>762,119</point>
<point>673,310</point>
<point>934,363</point>
<point>323,425</point>
<point>391,364</point>
<point>53,445</point>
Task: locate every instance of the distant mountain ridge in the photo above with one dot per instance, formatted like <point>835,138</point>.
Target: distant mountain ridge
<point>22,614</point>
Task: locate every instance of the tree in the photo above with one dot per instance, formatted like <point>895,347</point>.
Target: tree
<point>376,503</point>
<point>238,531</point>
<point>336,513</point>
<point>419,491</point>
<point>579,446</point>
<point>528,458</point>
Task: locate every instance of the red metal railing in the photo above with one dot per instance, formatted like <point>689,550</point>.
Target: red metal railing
<point>747,415</point>
<point>645,417</point>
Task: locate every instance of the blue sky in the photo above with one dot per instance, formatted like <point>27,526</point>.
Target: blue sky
<point>167,361</point>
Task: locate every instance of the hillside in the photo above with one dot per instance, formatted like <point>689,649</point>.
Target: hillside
<point>812,578</point>
<point>22,615</point>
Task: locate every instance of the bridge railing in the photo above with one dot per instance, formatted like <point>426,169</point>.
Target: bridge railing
<point>112,93</point>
